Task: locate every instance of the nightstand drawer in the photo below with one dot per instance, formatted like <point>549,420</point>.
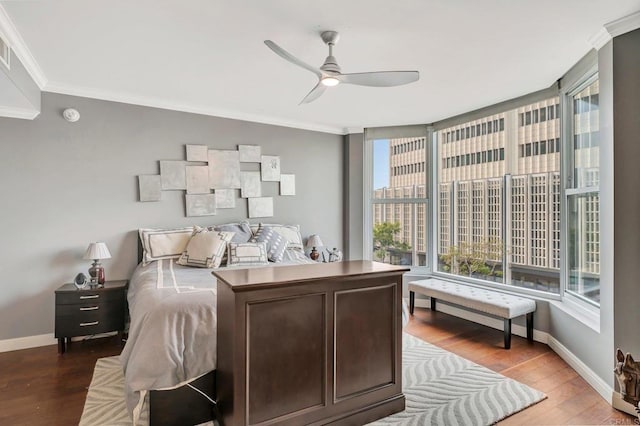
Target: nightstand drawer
<point>72,321</point>
<point>87,297</point>
<point>70,326</point>
<point>81,310</point>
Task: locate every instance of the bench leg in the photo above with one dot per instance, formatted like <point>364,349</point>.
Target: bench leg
<point>412,302</point>
<point>530,326</point>
<point>433,303</point>
<point>507,333</point>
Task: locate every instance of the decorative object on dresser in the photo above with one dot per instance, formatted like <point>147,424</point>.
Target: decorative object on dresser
<point>304,335</point>
<point>627,373</point>
<point>335,255</point>
<point>80,281</point>
<point>97,252</point>
<point>89,311</point>
<point>312,242</point>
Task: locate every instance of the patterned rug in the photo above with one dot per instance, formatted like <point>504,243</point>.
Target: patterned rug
<point>441,388</point>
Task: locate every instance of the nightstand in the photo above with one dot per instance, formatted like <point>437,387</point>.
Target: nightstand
<point>90,311</point>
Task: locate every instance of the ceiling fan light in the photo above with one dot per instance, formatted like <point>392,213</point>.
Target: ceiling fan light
<point>330,81</point>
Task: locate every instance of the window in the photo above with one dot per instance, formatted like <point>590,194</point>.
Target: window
<point>399,204</point>
<point>583,196</point>
<point>500,222</point>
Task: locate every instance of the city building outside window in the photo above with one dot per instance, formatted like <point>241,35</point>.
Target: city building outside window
<point>497,194</point>
<point>399,203</point>
<point>498,219</point>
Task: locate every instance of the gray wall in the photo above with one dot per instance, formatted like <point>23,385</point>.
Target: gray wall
<point>626,106</point>
<point>353,202</point>
<point>67,184</point>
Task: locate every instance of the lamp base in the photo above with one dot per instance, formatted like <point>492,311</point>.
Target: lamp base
<point>314,255</point>
<point>96,272</point>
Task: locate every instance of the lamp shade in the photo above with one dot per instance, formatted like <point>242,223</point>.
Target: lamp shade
<point>97,251</point>
<point>314,241</point>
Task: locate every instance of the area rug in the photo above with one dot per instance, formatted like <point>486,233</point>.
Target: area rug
<point>440,387</point>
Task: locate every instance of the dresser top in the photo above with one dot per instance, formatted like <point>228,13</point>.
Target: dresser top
<point>246,279</point>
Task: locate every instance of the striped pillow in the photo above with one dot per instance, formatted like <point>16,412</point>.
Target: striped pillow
<point>205,248</point>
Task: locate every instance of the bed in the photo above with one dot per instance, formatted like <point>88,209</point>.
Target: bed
<point>172,337</point>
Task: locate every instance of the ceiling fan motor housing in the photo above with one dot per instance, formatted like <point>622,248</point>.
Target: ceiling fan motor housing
<point>331,65</point>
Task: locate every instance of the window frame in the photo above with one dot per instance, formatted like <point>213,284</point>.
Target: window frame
<point>369,201</point>
<point>568,189</point>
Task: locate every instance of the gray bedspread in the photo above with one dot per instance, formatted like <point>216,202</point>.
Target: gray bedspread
<point>172,335</point>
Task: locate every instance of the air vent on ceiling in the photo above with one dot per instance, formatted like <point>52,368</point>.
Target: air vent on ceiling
<point>5,53</point>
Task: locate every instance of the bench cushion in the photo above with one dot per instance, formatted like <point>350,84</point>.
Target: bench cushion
<point>488,301</point>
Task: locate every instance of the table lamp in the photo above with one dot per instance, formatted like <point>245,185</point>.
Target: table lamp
<point>96,252</point>
<point>312,242</point>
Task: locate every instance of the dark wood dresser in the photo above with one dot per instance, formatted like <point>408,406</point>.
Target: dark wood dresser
<point>90,311</point>
<point>310,344</point>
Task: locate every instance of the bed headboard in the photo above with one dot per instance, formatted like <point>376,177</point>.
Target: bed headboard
<point>140,250</point>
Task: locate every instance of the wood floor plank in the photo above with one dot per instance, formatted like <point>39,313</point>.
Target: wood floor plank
<point>38,387</point>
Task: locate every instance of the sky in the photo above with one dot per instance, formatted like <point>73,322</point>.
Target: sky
<point>380,163</point>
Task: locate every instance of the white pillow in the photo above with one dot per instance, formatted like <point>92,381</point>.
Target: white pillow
<point>205,248</point>
<point>247,254</point>
<point>163,243</point>
<point>291,233</point>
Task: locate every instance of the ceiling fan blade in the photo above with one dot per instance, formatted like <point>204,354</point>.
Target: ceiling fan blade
<point>289,57</point>
<point>380,78</point>
<point>314,94</point>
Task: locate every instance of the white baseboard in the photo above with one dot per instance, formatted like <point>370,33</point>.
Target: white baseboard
<point>518,330</point>
<point>27,342</point>
<point>596,382</point>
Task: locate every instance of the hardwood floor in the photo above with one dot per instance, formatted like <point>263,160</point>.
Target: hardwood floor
<point>38,387</point>
<point>571,401</point>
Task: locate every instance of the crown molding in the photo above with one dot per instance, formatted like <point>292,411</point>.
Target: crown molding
<point>615,29</point>
<point>598,40</point>
<point>22,113</point>
<point>623,25</point>
<point>153,102</point>
<point>353,130</point>
<point>20,49</point>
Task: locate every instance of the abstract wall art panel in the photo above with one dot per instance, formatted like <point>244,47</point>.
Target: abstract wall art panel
<point>251,184</point>
<point>212,178</point>
<point>270,168</point>
<point>225,198</point>
<point>197,153</point>
<point>173,174</point>
<point>260,207</point>
<point>287,184</point>
<point>224,169</point>
<point>150,187</point>
<point>250,153</point>
<point>200,204</point>
<point>198,180</point>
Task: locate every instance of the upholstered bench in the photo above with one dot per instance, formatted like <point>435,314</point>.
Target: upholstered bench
<point>490,302</point>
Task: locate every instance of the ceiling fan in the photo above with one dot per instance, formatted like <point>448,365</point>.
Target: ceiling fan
<point>330,74</point>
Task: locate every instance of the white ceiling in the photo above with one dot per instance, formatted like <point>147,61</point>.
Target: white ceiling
<point>208,56</point>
